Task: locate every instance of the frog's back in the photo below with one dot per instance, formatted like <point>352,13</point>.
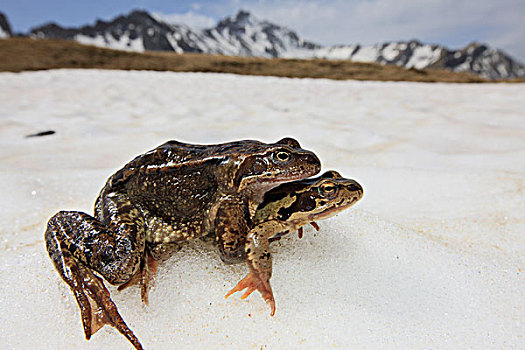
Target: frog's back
<point>174,154</point>
<point>184,153</point>
<point>177,181</point>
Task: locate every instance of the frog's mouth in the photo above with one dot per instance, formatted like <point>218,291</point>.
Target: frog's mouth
<point>334,209</point>
<point>328,212</point>
<point>269,183</point>
<point>288,179</point>
<point>269,177</point>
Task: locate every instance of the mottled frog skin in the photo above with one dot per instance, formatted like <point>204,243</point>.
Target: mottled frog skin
<point>285,209</point>
<point>171,194</point>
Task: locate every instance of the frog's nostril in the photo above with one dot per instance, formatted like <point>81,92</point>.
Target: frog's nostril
<point>315,160</point>
<point>355,187</point>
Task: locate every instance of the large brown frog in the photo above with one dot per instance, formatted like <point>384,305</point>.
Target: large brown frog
<point>171,194</point>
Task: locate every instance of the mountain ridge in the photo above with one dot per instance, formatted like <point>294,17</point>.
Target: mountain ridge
<point>245,35</point>
<point>5,28</point>
<point>475,58</point>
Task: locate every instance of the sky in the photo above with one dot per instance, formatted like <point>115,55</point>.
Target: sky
<point>452,23</point>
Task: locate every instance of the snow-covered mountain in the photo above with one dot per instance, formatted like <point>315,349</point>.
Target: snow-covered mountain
<point>246,35</point>
<point>5,28</point>
<point>137,31</point>
<point>240,35</point>
<point>474,58</point>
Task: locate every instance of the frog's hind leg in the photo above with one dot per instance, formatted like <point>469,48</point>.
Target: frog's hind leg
<point>76,243</point>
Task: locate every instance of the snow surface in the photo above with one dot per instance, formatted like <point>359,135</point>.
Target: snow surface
<point>432,257</point>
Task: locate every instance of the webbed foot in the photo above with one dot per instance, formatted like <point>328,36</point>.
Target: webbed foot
<point>68,233</point>
<point>96,307</point>
<point>259,282</point>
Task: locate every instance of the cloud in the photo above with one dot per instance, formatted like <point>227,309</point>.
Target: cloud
<point>190,18</point>
<point>453,23</point>
<point>510,35</point>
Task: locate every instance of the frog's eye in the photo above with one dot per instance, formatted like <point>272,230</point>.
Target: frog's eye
<point>281,157</point>
<point>327,190</point>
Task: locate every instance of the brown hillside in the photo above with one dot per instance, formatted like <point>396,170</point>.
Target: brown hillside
<point>20,54</point>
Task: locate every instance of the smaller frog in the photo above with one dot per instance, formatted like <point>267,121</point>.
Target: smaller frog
<point>285,209</point>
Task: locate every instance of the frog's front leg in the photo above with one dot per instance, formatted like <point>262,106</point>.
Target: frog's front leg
<point>259,258</point>
<point>231,227</point>
<point>78,243</point>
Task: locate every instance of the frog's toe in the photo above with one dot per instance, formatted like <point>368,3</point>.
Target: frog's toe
<point>300,229</point>
<point>143,279</point>
<point>98,319</point>
<point>272,306</point>
<point>259,282</point>
<point>137,277</point>
<point>87,314</point>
